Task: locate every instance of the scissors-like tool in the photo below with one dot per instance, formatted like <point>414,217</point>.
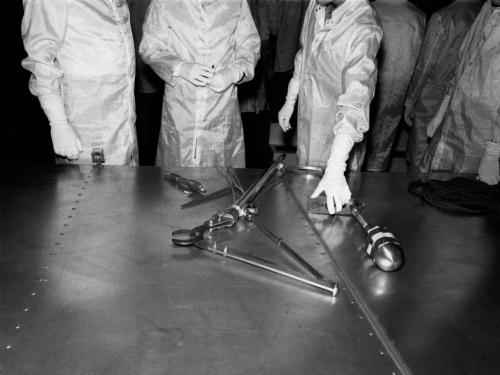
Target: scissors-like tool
<point>229,215</point>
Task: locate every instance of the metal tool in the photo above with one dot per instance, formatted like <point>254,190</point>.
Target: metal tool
<point>207,197</point>
<point>325,283</point>
<point>243,208</point>
<point>234,188</point>
<point>230,215</point>
<point>382,247</point>
<point>187,184</point>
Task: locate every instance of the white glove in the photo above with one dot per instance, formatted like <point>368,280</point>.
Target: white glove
<point>197,74</point>
<point>489,166</point>
<point>65,141</point>
<point>286,111</point>
<point>333,182</point>
<point>223,79</point>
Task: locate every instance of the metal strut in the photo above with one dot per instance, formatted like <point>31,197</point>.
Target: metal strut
<point>243,207</point>
<point>327,285</point>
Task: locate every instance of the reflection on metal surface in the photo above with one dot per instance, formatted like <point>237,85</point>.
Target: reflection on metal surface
<point>183,312</point>
<point>380,283</point>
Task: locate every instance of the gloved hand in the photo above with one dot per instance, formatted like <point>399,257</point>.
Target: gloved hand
<point>65,141</point>
<point>285,114</point>
<point>197,74</point>
<point>333,182</point>
<point>286,111</point>
<point>223,79</point>
<point>489,166</point>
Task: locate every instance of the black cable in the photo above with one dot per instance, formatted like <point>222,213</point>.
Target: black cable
<point>460,195</point>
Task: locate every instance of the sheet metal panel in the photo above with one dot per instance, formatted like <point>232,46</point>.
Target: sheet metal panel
<point>442,309</point>
<point>91,284</point>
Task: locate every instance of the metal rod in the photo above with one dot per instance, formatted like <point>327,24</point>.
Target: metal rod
<point>357,214</point>
<point>333,288</point>
<point>279,241</point>
<point>258,184</point>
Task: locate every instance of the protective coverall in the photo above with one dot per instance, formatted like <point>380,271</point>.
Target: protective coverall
<point>438,60</point>
<point>404,28</point>
<point>81,56</point>
<point>336,73</point>
<point>200,127</point>
<point>472,117</point>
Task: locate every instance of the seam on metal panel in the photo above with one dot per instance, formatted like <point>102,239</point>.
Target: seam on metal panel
<point>378,328</point>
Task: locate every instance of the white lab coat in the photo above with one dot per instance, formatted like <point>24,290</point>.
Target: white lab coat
<point>336,71</point>
<point>200,127</point>
<point>472,117</point>
<point>436,64</point>
<point>81,55</point>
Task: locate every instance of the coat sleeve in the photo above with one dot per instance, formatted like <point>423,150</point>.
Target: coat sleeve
<point>153,48</point>
<point>43,30</point>
<point>358,82</point>
<point>247,45</point>
<point>297,64</point>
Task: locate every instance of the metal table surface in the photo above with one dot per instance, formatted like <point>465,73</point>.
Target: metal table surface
<point>91,284</point>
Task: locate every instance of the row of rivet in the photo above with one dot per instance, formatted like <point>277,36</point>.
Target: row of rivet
<point>330,264</point>
<point>51,254</point>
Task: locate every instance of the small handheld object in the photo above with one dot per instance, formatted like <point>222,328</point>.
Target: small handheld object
<point>189,185</point>
<point>382,247</point>
<point>318,206</point>
<point>97,155</point>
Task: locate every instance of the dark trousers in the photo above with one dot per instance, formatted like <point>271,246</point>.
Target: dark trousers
<point>148,109</point>
<point>256,127</point>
